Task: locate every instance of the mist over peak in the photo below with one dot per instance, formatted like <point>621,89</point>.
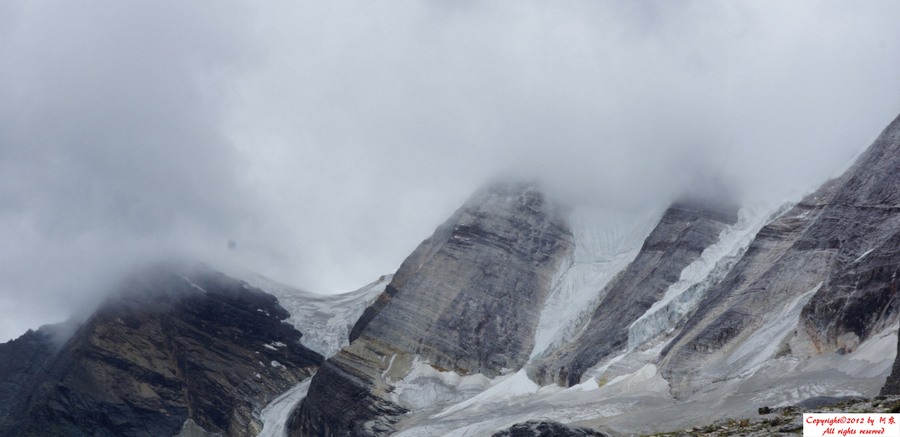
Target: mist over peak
<point>318,144</point>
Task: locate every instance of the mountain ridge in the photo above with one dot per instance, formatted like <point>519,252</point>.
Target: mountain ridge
<point>701,312</point>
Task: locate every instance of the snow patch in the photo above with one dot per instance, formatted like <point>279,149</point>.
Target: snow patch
<point>516,399</point>
<point>860,373</point>
<point>874,356</point>
<point>644,379</point>
<point>512,387</point>
<point>390,364</point>
<point>590,385</point>
<point>426,387</point>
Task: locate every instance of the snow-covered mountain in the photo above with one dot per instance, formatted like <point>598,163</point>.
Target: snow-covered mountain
<point>518,316</point>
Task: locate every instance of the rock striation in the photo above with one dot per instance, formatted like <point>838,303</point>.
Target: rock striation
<point>467,300</point>
<point>172,352</point>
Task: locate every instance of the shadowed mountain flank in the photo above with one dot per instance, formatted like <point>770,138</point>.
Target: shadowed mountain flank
<point>171,349</point>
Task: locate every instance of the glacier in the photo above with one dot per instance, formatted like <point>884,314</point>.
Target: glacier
<point>325,321</point>
<point>695,279</point>
<point>605,243</point>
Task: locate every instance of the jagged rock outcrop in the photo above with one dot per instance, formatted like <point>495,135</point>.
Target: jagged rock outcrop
<point>467,300</point>
<point>681,235</point>
<point>535,428</point>
<point>173,351</point>
<point>830,263</point>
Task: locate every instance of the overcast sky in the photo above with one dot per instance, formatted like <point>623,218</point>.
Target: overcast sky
<point>325,140</point>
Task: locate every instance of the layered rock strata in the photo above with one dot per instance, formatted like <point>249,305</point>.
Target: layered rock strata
<point>467,300</point>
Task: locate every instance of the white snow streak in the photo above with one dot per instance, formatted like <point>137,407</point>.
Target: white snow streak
<point>192,284</point>
<point>696,279</point>
<point>274,416</point>
<point>863,255</point>
<point>390,364</point>
<point>605,243</point>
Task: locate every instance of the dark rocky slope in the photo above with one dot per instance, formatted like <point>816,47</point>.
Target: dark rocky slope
<point>837,253</point>
<point>684,231</point>
<point>169,351</point>
<point>468,300</point>
<point>534,428</point>
<point>892,384</point>
<point>19,359</point>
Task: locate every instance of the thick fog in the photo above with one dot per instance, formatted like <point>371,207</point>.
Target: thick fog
<point>319,142</point>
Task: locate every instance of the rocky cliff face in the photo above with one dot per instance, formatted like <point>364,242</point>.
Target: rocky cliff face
<point>833,259</point>
<point>172,352</point>
<point>21,359</point>
<point>467,300</point>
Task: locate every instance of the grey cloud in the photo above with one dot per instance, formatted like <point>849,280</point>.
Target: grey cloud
<point>112,150</point>
<point>325,140</point>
